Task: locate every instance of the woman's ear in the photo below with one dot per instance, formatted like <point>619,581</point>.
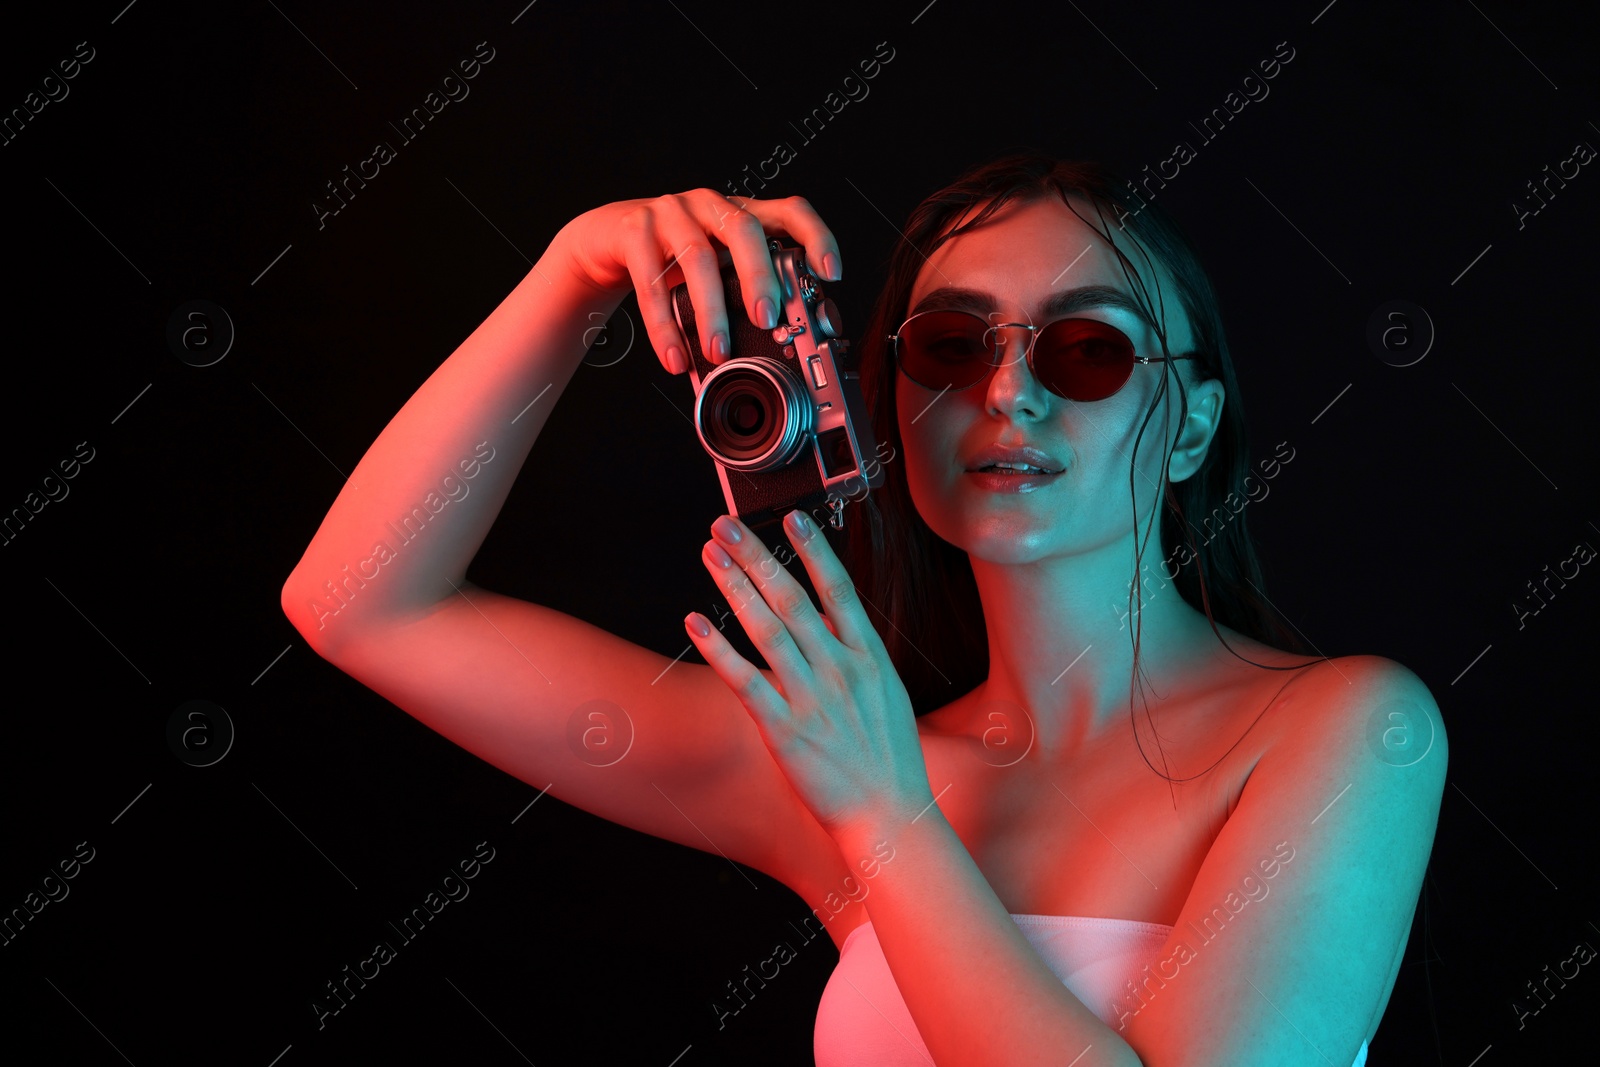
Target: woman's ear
<point>1194,436</point>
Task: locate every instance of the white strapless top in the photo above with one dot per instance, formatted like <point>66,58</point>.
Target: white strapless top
<point>862,1019</point>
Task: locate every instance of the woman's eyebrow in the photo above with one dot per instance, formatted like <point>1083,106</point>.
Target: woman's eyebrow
<point>1057,305</point>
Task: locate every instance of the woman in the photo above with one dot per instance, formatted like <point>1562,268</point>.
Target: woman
<point>1028,871</point>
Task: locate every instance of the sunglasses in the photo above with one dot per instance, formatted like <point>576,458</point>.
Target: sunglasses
<point>1079,359</point>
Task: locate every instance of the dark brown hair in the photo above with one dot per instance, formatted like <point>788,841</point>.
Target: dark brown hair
<point>920,588</point>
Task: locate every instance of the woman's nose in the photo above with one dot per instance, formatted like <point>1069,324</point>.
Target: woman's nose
<point>1012,386</point>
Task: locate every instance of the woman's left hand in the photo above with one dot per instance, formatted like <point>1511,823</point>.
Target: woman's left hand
<point>840,723</point>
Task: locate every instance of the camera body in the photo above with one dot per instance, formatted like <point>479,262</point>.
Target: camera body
<point>784,418</point>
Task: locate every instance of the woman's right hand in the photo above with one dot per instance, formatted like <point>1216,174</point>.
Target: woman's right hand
<point>651,245</point>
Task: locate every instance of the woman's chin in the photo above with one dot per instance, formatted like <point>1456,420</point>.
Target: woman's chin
<point>1008,539</point>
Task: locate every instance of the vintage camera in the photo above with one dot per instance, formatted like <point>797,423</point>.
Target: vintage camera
<point>784,418</point>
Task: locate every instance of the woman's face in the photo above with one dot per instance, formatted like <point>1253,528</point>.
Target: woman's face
<point>1019,259</point>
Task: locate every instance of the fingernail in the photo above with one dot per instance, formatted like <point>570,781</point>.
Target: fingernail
<point>766,313</point>
<point>719,346</point>
<point>799,525</point>
<point>718,556</point>
<point>830,267</point>
<point>675,361</point>
<point>725,528</point>
<point>698,622</point>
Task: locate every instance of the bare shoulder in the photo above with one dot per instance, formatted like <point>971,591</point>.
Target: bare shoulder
<point>1320,714</point>
<point>1353,695</point>
<point>1361,724</point>
<point>1373,700</point>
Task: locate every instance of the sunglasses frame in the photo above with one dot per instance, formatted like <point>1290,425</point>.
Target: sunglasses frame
<point>1033,335</point>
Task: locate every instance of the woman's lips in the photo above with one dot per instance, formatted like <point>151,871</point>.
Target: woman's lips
<point>1002,481</point>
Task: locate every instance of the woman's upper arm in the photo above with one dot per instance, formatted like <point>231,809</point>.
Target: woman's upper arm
<point>1285,950</point>
<point>620,731</point>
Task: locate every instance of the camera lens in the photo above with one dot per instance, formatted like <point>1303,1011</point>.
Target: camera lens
<point>752,414</point>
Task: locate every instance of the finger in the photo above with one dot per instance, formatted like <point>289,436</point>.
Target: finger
<point>739,674</point>
<point>744,224</point>
<point>846,616</point>
<point>698,259</point>
<point>794,217</point>
<point>766,630</point>
<point>775,611</point>
<point>653,278</point>
<point>802,222</point>
<point>744,234</point>
<point>786,598</point>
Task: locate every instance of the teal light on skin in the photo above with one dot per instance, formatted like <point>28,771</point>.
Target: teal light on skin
<point>1053,566</point>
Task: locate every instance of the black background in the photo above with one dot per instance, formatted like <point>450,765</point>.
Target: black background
<point>183,165</point>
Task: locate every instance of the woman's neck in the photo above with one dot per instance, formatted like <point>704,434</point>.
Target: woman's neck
<point>1061,638</point>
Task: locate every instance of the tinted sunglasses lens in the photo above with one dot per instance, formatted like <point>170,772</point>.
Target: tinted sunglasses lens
<point>1083,359</point>
<point>945,349</point>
